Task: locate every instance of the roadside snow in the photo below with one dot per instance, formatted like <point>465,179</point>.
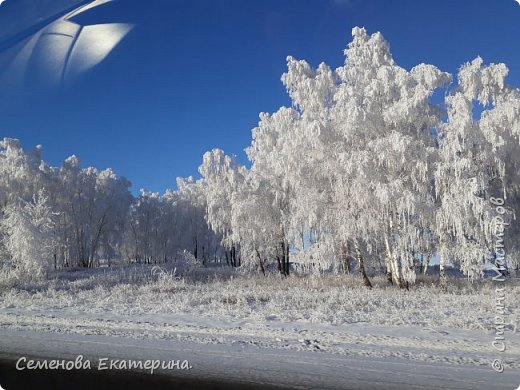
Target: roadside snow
<point>248,365</point>
<point>443,337</point>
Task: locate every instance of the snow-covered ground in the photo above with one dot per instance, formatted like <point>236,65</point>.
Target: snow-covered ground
<point>249,365</point>
<point>307,333</point>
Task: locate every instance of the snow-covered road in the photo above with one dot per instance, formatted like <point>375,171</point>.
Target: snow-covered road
<point>248,365</point>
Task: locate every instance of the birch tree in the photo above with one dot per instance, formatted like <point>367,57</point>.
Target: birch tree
<point>478,161</point>
<point>223,178</point>
<point>363,153</point>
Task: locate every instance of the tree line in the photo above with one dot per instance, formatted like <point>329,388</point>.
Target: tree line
<point>373,167</point>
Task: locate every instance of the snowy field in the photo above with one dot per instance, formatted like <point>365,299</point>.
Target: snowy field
<point>327,317</point>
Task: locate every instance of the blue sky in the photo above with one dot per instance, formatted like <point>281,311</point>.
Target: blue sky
<point>194,75</point>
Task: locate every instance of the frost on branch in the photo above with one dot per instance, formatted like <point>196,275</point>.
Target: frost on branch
<point>29,239</point>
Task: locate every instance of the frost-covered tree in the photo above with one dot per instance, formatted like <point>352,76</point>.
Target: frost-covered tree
<point>479,148</point>
<point>160,227</point>
<point>390,148</point>
<point>355,155</point>
<point>146,229</point>
<point>223,179</point>
<point>93,204</point>
<point>270,174</point>
<point>21,173</point>
<point>194,233</point>
<point>29,237</point>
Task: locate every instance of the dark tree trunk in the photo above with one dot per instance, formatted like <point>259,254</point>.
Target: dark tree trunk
<point>260,261</point>
<point>361,266</point>
<point>279,264</point>
<point>287,263</point>
<point>233,256</point>
<point>284,259</point>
